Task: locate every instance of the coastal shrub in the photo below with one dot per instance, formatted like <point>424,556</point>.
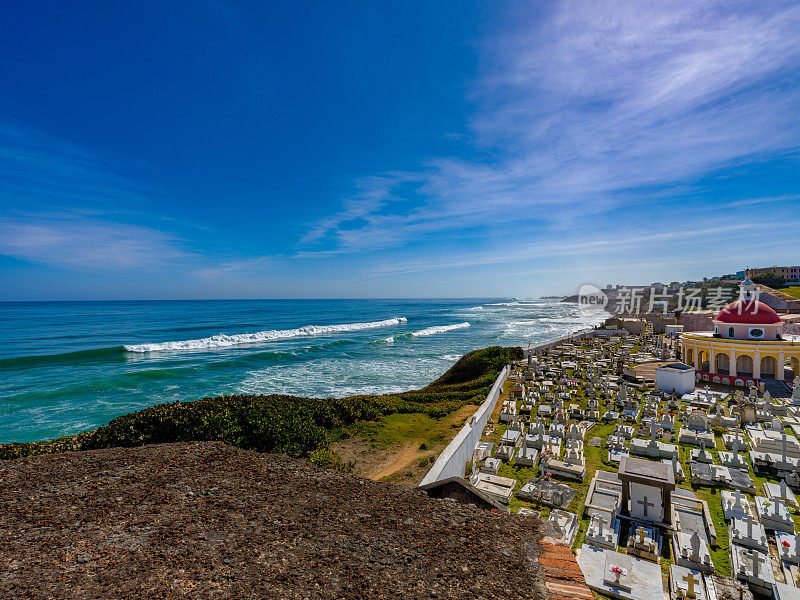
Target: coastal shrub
<point>282,424</point>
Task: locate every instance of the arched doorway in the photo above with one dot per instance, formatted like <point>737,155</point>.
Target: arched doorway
<point>744,365</point>
<point>794,361</point>
<point>768,367</point>
<point>702,357</point>
<point>723,363</point>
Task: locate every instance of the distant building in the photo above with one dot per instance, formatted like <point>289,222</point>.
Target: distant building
<point>790,274</point>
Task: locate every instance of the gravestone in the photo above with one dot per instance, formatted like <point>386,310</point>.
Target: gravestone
<point>773,514</point>
<point>644,542</point>
<point>618,571</point>
<point>691,551</point>
<point>749,533</point>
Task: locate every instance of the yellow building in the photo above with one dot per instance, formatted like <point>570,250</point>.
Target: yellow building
<point>747,344</point>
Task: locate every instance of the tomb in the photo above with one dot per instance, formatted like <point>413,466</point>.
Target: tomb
<point>696,430</point>
<point>549,493</point>
<point>701,455</point>
<point>690,514</point>
<point>735,505</point>
<point>605,495</point>
<point>686,584</point>
<point>619,575</point>
<point>653,448</point>
<point>733,458</point>
<point>566,522</point>
<point>690,550</point>
<point>483,450</point>
<point>677,468</point>
<point>788,547</point>
<point>783,591</point>
<point>491,466</point>
<point>728,439</point>
<point>749,533</point>
<point>773,514</point>
<point>752,567</point>
<point>646,487</point>
<point>717,475</point>
<point>498,488</point>
<point>780,490</point>
<point>603,533</point>
<point>504,453</point>
<point>644,542</point>
<point>526,456</point>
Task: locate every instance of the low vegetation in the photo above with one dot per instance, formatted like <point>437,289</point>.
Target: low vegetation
<point>299,427</point>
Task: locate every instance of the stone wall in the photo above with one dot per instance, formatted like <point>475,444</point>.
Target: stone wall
<point>695,321</point>
<point>452,461</point>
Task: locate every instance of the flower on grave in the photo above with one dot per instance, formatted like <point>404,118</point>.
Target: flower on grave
<point>785,544</point>
<point>616,570</point>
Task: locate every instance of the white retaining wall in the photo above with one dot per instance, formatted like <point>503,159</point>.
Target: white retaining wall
<point>452,461</point>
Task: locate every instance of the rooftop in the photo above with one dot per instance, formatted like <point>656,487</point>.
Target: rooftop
<point>206,520</point>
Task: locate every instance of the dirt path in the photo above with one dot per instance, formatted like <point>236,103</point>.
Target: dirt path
<point>399,459</point>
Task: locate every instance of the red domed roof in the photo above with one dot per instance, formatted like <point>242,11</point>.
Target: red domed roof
<point>750,313</point>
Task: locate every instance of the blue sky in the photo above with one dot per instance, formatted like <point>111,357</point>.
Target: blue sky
<point>392,149</point>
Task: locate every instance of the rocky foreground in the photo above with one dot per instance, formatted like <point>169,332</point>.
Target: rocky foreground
<point>206,520</point>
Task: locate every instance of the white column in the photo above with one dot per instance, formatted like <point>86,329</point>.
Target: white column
<point>733,363</point>
<point>779,367</point>
<point>712,367</point>
<point>756,365</point>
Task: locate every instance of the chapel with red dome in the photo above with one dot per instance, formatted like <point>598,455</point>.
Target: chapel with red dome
<point>746,345</point>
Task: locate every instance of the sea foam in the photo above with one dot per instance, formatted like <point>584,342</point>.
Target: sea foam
<point>439,329</point>
<point>223,340</point>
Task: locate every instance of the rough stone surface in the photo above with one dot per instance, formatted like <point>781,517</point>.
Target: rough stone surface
<point>205,520</point>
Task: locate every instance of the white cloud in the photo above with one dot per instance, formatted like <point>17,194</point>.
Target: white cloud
<point>590,107</point>
<point>92,244</point>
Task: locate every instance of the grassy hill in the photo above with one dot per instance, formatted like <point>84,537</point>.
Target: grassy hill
<point>296,426</point>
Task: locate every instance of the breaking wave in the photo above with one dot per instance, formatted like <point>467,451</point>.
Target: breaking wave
<point>439,329</point>
<point>259,337</point>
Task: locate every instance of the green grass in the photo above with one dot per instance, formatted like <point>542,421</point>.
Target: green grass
<point>401,428</point>
<point>792,290</point>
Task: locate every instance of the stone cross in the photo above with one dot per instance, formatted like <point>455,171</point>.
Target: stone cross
<point>600,523</point>
<point>690,580</point>
<point>645,504</point>
<point>757,560</point>
<point>749,520</point>
<point>783,447</point>
<point>783,489</point>
<point>641,531</point>
<point>652,431</point>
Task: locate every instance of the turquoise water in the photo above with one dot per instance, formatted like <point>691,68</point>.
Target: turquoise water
<point>71,366</point>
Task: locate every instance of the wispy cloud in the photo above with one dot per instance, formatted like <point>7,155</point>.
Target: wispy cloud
<point>64,207</point>
<point>89,244</point>
<point>585,109</point>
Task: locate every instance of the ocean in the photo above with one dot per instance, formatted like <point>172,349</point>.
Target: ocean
<point>67,367</point>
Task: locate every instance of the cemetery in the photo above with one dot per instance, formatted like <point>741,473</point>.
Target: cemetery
<point>662,495</point>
